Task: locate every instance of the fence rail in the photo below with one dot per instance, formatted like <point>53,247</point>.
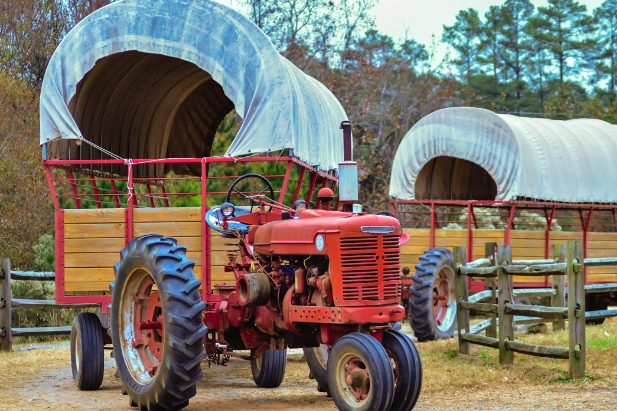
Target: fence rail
<point>498,302</point>
<point>7,303</point>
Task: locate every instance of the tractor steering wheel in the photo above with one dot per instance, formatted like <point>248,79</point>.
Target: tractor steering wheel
<point>247,195</point>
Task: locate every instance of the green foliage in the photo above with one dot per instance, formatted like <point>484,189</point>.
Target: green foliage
<point>464,37</point>
<point>44,253</point>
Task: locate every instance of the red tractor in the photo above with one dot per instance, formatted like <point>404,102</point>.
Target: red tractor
<point>325,281</point>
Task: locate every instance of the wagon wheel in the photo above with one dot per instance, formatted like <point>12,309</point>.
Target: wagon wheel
<point>360,375</point>
<point>258,187</point>
<point>157,325</point>
<point>432,305</point>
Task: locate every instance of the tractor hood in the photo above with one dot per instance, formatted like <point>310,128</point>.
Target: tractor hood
<point>300,236</point>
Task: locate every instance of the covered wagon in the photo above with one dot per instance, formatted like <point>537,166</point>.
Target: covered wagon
<point>187,254</point>
<point>468,176</point>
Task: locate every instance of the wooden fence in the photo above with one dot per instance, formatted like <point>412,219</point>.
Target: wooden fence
<point>7,303</point>
<point>498,301</point>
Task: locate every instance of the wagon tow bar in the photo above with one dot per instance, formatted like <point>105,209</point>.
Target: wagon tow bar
<point>220,356</point>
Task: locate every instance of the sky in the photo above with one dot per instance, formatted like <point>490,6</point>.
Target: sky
<point>421,19</point>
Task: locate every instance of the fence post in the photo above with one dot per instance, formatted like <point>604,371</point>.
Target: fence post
<point>506,326</point>
<point>462,294</point>
<point>576,308</point>
<point>6,337</point>
<point>491,284</point>
<point>559,285</point>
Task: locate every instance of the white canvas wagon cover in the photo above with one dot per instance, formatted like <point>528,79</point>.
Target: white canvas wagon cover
<point>564,161</point>
<point>154,79</point>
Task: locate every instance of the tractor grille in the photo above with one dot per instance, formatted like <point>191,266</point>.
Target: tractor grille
<point>370,268</point>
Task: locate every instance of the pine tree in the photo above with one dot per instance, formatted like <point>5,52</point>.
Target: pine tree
<point>463,36</point>
<point>516,42</point>
<point>606,66</point>
<point>490,41</point>
<point>566,29</point>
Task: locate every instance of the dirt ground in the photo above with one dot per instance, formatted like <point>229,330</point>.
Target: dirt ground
<point>41,380</point>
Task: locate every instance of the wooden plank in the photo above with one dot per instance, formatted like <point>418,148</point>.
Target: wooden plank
<point>565,235</point>
<point>94,245</point>
<point>75,275</point>
<point>21,302</point>
<point>110,230</point>
<point>25,332</point>
<point>601,278</point>
<point>97,216</point>
<point>87,260</point>
<point>480,340</point>
<point>179,214</point>
<point>527,234</point>
<point>540,311</point>
<point>6,339</point>
<point>506,322</point>
<point>102,260</point>
<point>171,229</point>
<point>30,275</point>
<point>479,307</point>
<point>462,294</point>
<point>592,237</point>
<point>601,253</point>
<point>538,350</point>
<point>450,242</point>
<point>417,233</point>
<point>413,249</point>
<point>576,305</point>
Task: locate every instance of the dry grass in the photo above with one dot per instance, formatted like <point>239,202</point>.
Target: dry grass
<point>40,379</point>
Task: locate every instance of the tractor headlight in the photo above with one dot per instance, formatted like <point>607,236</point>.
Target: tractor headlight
<point>227,210</point>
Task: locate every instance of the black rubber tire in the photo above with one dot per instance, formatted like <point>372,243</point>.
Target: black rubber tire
<point>87,353</point>
<point>375,359</point>
<point>269,370</point>
<point>318,369</point>
<point>408,383</point>
<point>421,300</point>
<point>175,382</point>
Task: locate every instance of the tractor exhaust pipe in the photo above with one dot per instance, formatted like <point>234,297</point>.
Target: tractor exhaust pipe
<point>348,170</point>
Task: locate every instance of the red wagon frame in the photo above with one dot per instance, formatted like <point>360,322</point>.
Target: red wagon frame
<point>71,166</point>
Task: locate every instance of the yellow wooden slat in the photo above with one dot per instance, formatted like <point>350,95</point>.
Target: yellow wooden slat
<point>176,214</point>
<point>93,245</point>
<point>602,237</point>
<point>107,230</point>
<point>451,242</point>
<point>76,275</point>
<point>103,215</point>
<point>602,278</point>
<point>90,260</point>
<point>565,235</point>
<point>171,229</point>
<point>525,234</point>
<point>417,233</point>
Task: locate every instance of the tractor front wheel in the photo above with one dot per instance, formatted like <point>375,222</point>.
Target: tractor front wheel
<point>360,375</point>
<point>87,354</point>
<point>157,323</point>
<point>317,360</point>
<point>269,368</point>
<point>407,370</point>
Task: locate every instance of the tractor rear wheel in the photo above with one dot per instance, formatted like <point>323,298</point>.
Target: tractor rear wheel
<point>157,323</point>
<point>87,354</point>
<point>360,375</point>
<point>317,360</point>
<point>269,368</point>
<point>432,306</point>
<point>407,370</point>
